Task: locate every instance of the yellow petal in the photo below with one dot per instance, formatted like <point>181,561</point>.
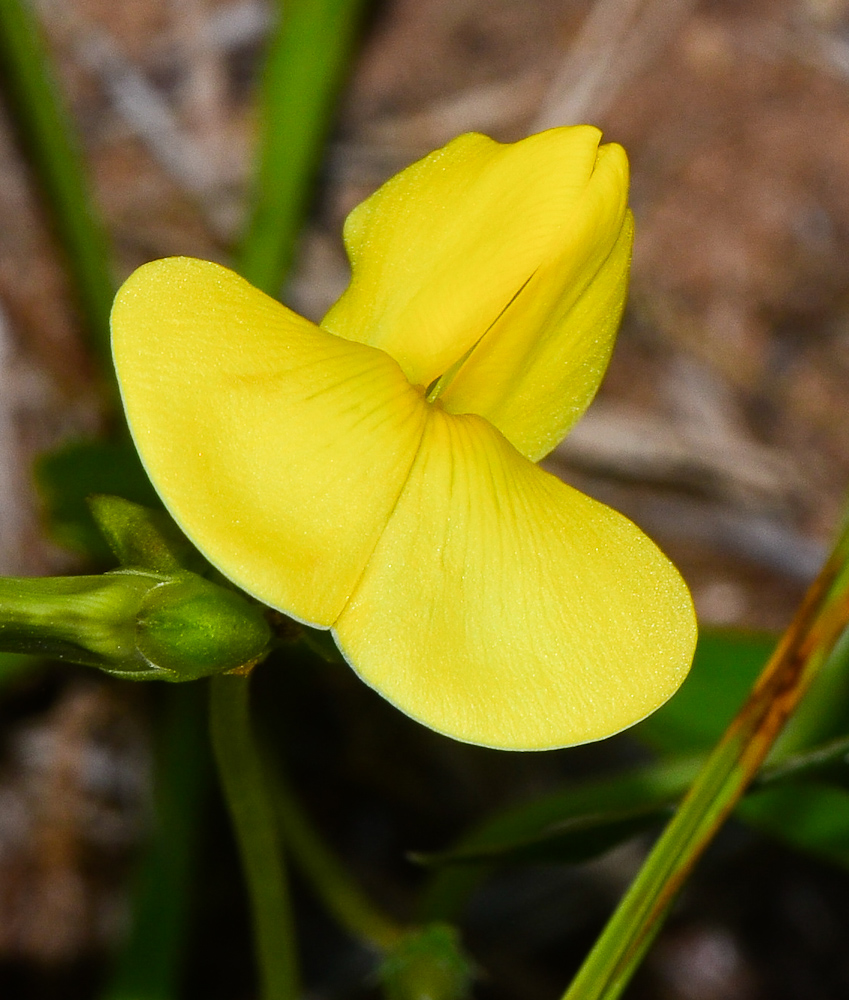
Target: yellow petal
<point>503,608</point>
<point>439,252</point>
<point>279,449</point>
<point>538,368</point>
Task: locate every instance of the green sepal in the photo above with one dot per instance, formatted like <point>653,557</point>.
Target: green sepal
<point>66,476</point>
<point>142,537</point>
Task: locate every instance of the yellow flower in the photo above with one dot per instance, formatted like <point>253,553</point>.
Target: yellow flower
<point>375,474</point>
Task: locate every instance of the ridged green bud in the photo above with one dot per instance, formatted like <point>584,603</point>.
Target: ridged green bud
<point>194,628</point>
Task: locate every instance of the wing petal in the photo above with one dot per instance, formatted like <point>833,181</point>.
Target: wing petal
<point>279,449</point>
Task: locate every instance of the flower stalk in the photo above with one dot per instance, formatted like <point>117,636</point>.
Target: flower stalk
<point>247,794</point>
<point>343,898</point>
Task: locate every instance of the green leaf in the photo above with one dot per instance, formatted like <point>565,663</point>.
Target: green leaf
<point>66,478</point>
<point>570,841</point>
<point>725,666</point>
<point>827,762</point>
<point>808,645</point>
<point>812,817</point>
<point>647,789</point>
<point>12,664</point>
<point>574,838</point>
<point>555,827</point>
<point>824,712</point>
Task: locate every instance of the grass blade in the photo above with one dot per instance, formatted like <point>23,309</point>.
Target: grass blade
<point>305,66</point>
<point>48,136</point>
<point>807,644</point>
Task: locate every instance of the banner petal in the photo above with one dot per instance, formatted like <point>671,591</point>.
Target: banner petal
<point>441,250</point>
<point>538,368</point>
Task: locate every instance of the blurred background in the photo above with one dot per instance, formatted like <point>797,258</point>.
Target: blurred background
<point>722,429</point>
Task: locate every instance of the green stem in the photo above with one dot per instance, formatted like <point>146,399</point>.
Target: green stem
<point>45,129</point>
<point>246,791</point>
<point>343,899</point>
<point>813,633</point>
<point>305,64</point>
<point>83,619</point>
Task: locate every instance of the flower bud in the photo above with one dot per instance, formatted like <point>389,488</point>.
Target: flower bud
<point>133,624</point>
<point>191,628</point>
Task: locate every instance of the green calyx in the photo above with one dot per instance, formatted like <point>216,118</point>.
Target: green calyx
<point>156,618</point>
<point>134,624</point>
